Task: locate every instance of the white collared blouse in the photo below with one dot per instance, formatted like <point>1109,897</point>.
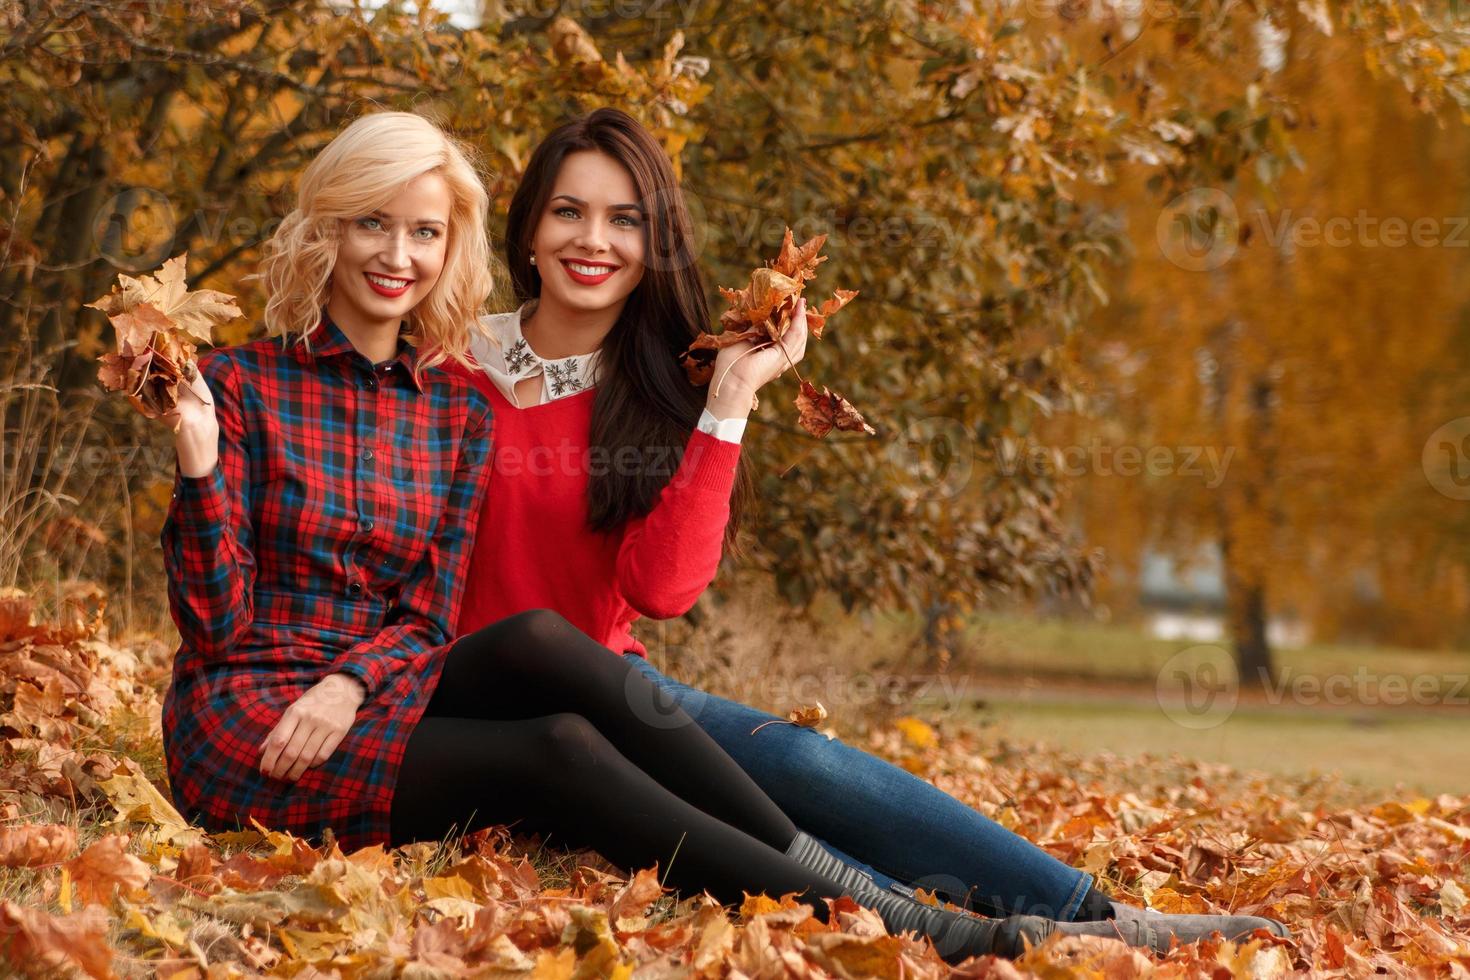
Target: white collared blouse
<point>507,358</point>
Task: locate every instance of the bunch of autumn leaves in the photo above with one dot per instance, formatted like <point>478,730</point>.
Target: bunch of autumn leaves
<point>761,313</point>
<point>158,319</point>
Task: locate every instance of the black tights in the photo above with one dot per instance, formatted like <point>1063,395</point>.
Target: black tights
<point>535,724</point>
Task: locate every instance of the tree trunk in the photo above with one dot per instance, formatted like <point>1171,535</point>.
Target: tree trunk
<point>1245,586</point>
<point>1248,629</point>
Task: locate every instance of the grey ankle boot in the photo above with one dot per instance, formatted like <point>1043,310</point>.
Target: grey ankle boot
<point>1190,928</point>
<point>956,935</point>
<point>1145,927</point>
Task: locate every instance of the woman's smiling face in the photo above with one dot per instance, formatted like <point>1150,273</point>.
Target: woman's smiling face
<point>388,261</point>
<point>590,240</point>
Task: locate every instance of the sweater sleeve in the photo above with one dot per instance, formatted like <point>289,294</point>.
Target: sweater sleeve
<point>208,540</point>
<point>427,608</point>
<point>669,557</point>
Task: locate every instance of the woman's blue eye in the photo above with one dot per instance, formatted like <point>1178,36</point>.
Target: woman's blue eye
<point>632,222</point>
<point>371,224</point>
<point>432,233</point>
<point>565,211</point>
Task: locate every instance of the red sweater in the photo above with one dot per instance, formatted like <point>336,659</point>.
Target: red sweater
<point>533,549</point>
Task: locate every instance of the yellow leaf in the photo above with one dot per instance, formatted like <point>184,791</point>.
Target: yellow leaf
<point>1452,898</point>
<point>917,733</point>
<point>137,799</point>
<point>1456,831</point>
<point>451,887</point>
<point>165,928</point>
<point>1172,902</point>
<point>309,945</point>
<point>1013,273</point>
<point>858,956</point>
<point>555,966</point>
<point>455,908</point>
<point>1394,813</point>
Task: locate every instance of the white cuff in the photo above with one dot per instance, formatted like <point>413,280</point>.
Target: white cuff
<point>725,430</point>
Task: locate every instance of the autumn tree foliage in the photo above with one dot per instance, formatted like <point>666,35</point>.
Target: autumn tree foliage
<point>1302,320</point>
<point>955,155</point>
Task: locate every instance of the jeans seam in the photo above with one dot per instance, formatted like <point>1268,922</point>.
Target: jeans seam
<point>1074,904</point>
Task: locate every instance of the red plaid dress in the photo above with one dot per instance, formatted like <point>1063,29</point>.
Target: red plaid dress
<point>332,537</point>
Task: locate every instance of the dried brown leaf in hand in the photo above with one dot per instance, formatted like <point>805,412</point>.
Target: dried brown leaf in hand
<point>699,365</point>
<point>815,322</point>
<point>760,314</point>
<point>825,410</point>
<point>158,319</point>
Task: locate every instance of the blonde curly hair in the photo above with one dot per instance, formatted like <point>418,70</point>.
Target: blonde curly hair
<point>361,169</point>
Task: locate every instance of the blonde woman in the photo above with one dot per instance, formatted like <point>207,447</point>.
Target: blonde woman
<point>327,490</point>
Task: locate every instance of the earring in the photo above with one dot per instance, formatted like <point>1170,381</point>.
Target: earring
<point>533,260</point>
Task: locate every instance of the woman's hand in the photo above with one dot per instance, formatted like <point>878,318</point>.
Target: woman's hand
<point>196,430</point>
<point>739,374</point>
<point>311,728</point>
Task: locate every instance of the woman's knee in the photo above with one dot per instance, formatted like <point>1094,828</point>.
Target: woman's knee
<point>810,755</point>
<point>539,627</point>
<point>571,742</point>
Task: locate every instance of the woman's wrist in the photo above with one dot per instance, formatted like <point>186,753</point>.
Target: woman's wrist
<point>197,443</point>
<point>353,687</point>
<point>734,400</point>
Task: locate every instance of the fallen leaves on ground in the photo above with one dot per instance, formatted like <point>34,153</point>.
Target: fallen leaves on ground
<point>105,879</point>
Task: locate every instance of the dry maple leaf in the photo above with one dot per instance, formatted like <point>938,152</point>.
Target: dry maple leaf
<point>825,410</point>
<point>195,312</point>
<point>816,321</point>
<point>16,615</point>
<point>157,320</point>
<point>103,868</point>
<point>804,716</point>
<point>33,845</point>
<point>808,715</point>
<point>48,942</point>
<point>699,364</point>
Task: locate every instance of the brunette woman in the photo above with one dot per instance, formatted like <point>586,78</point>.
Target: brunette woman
<point>616,482</point>
<point>328,485</point>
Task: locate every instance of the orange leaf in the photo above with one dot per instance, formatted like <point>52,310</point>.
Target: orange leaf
<point>32,845</point>
<point>102,869</point>
<point>46,942</point>
<point>808,715</point>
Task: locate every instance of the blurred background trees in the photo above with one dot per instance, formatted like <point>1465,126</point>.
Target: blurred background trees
<point>1073,225</point>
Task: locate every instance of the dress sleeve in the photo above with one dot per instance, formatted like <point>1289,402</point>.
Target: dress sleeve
<point>208,540</point>
<point>427,607</point>
<point>669,557</point>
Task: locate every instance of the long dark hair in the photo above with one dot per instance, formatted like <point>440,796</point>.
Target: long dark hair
<point>644,399</point>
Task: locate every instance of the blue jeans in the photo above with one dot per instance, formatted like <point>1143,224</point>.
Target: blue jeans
<point>898,826</point>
